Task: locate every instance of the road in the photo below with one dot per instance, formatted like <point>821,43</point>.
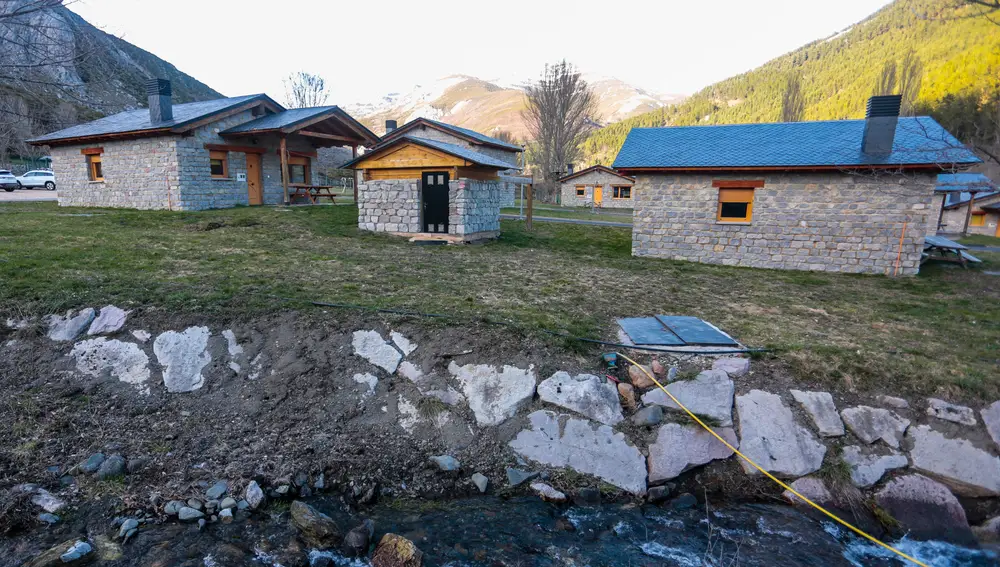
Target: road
<point>572,221</point>
<point>28,195</point>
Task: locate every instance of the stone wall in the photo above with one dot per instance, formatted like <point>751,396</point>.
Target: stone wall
<point>474,206</point>
<point>833,222</point>
<point>394,205</point>
<point>953,220</point>
<point>569,198</point>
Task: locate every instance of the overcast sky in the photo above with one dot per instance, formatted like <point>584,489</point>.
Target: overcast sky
<point>369,48</point>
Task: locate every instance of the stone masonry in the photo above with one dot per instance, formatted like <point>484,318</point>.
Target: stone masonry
<point>836,222</point>
<point>607,181</point>
<point>953,220</point>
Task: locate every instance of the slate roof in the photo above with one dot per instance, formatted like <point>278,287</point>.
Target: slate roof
<point>834,143</point>
<point>292,117</point>
<point>482,138</point>
<point>948,182</point>
<point>594,168</point>
<point>138,120</point>
<point>452,149</point>
<point>959,198</point>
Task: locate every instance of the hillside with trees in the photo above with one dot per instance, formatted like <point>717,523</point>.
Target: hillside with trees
<point>958,61</point>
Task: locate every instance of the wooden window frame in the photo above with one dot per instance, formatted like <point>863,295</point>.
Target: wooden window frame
<point>222,156</point>
<point>735,195</point>
<point>306,169</point>
<point>616,190</point>
<point>581,190</point>
<point>95,167</point>
<point>978,219</point>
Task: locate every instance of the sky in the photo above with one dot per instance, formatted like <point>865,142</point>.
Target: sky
<point>367,49</point>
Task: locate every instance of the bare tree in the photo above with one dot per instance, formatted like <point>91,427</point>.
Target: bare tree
<point>559,108</point>
<point>887,79</point>
<point>505,136</point>
<point>305,90</point>
<point>911,72</point>
<point>987,9</point>
<point>793,102</point>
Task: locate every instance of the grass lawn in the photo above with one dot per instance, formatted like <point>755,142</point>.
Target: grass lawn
<point>979,240</point>
<point>584,213</point>
<point>907,335</point>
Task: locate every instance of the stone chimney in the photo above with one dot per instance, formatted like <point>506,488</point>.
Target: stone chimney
<point>160,106</point>
<point>390,125</point>
<point>569,169</point>
<point>881,115</point>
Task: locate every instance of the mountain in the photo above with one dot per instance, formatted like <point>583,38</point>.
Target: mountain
<point>489,107</point>
<point>961,66</point>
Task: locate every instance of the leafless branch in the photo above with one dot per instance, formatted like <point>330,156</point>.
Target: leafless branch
<point>305,90</point>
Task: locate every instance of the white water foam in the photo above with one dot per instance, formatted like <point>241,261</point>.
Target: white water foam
<point>681,557</point>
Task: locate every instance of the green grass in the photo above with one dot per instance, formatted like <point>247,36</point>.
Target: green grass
<point>573,214</point>
<point>905,336</point>
<point>979,240</point>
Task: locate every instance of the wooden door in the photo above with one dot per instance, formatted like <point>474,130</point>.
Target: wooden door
<point>255,187</point>
<point>598,195</point>
<point>435,201</point>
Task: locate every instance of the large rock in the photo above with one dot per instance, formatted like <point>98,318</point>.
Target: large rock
<point>868,468</point>
<point>640,380</point>
<point>69,326</point>
<point>494,395</point>
<point>871,424</point>
<point>925,509</point>
<point>253,495</point>
<point>110,320</point>
<point>184,356</point>
<point>770,437</point>
<point>113,467</point>
<point>679,448</point>
<point>810,487</point>
<point>950,412</point>
<point>72,552</point>
<point>124,361</point>
<point>396,551</point>
<point>47,501</point>
<point>734,367</point>
<point>370,346</point>
<point>822,411</point>
<point>710,394</point>
<point>991,417</point>
<point>405,345</point>
<point>317,529</point>
<point>585,394</point>
<point>968,470</point>
<point>547,493</point>
<point>585,447</point>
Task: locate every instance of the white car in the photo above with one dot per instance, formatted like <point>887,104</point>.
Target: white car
<point>38,178</point>
<point>7,181</point>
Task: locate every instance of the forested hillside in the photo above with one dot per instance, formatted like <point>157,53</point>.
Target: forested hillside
<point>960,58</point>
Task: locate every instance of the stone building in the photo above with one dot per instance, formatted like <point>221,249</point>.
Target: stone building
<point>597,186</point>
<point>839,196</point>
<point>429,179</point>
<point>245,150</point>
<point>956,191</point>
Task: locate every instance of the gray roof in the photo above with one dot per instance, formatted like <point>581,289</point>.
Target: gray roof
<point>482,138</point>
<point>294,116</point>
<point>138,120</point>
<point>452,149</point>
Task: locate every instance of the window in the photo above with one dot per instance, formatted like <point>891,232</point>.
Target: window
<point>94,170</point>
<point>621,192</point>
<point>735,205</point>
<point>581,191</point>
<point>978,219</point>
<point>218,164</point>
<point>298,170</point>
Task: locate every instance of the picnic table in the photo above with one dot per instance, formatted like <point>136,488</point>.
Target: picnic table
<point>312,192</point>
<point>944,250</point>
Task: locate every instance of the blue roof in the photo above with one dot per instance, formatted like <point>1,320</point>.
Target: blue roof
<point>452,149</point>
<point>482,138</point>
<point>947,182</point>
<point>918,141</point>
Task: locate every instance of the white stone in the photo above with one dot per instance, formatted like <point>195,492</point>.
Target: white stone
<point>822,410</point>
<point>47,501</point>
<point>586,394</point>
<point>236,354</point>
<point>405,345</point>
<point>411,372</point>
<point>950,412</point>
<point>451,396</point>
<point>409,415</point>
<point>141,336</point>
<point>810,487</point>
<point>734,367</point>
<point>68,327</point>
<point>184,356</point>
<point>868,469</point>
<point>253,495</point>
<point>18,324</point>
<point>871,424</point>
<point>372,347</point>
<point>547,493</point>
<point>771,438</point>
<point>110,320</point>
<point>369,380</point>
<point>124,361</point>
<point>585,447</point>
<point>710,394</point>
<point>494,395</point>
<point>898,403</point>
<point>968,470</point>
<point>679,448</point>
<point>991,417</point>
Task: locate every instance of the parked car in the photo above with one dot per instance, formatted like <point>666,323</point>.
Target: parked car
<point>38,178</point>
<point>7,181</point>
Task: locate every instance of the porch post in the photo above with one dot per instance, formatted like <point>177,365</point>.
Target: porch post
<point>354,155</point>
<point>968,213</point>
<point>283,150</point>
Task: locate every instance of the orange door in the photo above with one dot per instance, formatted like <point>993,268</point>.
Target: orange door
<point>255,190</point>
<point>598,195</point>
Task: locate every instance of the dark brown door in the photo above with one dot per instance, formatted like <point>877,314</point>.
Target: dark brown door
<point>435,196</point>
<point>255,188</point>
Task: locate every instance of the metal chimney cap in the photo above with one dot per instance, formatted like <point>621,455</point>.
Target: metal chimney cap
<point>158,87</point>
<point>883,106</point>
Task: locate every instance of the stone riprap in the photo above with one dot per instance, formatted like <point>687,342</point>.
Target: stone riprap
<point>822,411</point>
<point>124,361</point>
<point>109,320</point>
<point>184,356</point>
<point>925,509</point>
<point>968,470</point>
<point>771,438</point>
<point>872,424</point>
<point>679,448</point>
<point>370,346</point>
<point>991,418</point>
<point>831,221</point>
<point>868,468</point>
<point>710,394</point>
<point>586,394</point>
<point>950,412</point>
<point>733,366</point>
<point>583,446</point>
<point>494,395</point>
<point>68,327</point>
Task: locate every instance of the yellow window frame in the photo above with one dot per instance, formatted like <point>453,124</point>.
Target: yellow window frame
<point>978,219</point>
<point>735,195</point>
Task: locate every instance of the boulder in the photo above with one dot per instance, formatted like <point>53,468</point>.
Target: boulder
<point>217,490</point>
<point>871,424</point>
<point>317,529</point>
<point>128,525</point>
<point>812,488</point>
<point>68,327</point>
<point>679,448</point>
<point>253,495</point>
<point>370,346</point>
<point>627,394</point>
<point>494,395</point>
<point>173,507</point>
<point>968,470</point>
<point>184,356</point>
<point>822,411</point>
<point>950,412</point>
<point>518,476</point>
<point>446,463</point>
<point>227,503</point>
<point>71,552</point>
<point>710,394</point>
<point>893,402</point>
<point>868,468</point>
<point>396,551</point>
<point>481,482</point>
<point>991,418</point>
<point>405,345</point>
<point>113,467</point>
<point>648,416</point>
<point>47,501</point>
<point>657,367</point>
<point>925,509</point>
<point>124,361</point>
<point>583,446</point>
<point>141,335</point>
<point>770,437</point>
<point>586,394</point>
<point>639,379</point>
<point>547,493</point>
<point>734,367</point>
<point>110,320</point>
<point>189,514</point>
<point>357,540</point>
<point>92,463</point>
<point>988,531</point>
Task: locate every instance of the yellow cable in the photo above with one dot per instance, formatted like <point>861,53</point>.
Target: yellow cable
<point>769,475</point>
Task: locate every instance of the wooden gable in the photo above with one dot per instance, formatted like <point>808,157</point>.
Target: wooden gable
<point>408,156</point>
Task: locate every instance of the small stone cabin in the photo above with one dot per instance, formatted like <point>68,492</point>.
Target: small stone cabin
<point>597,186</point>
<point>956,191</point>
<point>431,178</point>
<point>245,150</point>
<point>836,196</point>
